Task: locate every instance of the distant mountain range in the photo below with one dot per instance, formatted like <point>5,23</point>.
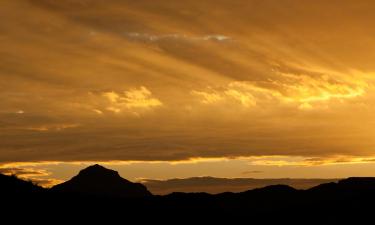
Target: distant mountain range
<point>216,185</point>
<point>97,192</point>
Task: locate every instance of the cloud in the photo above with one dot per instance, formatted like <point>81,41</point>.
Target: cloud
<point>23,172</point>
<point>246,99</point>
<point>216,37</point>
<point>206,97</point>
<point>200,83</point>
<point>52,127</point>
<point>132,99</point>
<point>251,172</point>
<point>175,37</point>
<point>233,92</point>
<point>47,183</point>
<point>38,176</point>
<point>302,90</point>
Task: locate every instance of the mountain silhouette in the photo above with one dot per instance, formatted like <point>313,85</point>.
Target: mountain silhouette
<point>349,185</point>
<point>11,185</point>
<point>217,185</point>
<point>98,180</point>
<point>274,189</point>
<point>97,192</point>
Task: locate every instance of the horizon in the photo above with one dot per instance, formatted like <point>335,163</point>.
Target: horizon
<point>201,184</point>
<point>206,184</point>
<point>160,90</point>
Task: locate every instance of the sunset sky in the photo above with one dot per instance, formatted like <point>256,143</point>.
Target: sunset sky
<point>159,89</point>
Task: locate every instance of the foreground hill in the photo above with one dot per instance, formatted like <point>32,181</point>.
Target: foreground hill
<point>11,185</point>
<point>97,193</point>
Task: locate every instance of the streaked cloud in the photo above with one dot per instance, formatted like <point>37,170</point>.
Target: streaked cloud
<point>302,90</point>
<point>208,97</point>
<point>251,172</point>
<point>175,37</point>
<point>89,80</point>
<point>132,99</point>
<point>52,127</point>
<point>36,175</point>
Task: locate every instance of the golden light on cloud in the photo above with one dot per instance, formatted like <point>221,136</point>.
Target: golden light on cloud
<point>132,99</point>
<point>95,81</point>
<point>53,127</point>
<point>206,97</point>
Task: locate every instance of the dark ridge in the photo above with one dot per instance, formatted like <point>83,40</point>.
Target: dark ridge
<point>279,188</point>
<point>327,187</point>
<point>358,182</point>
<point>97,192</point>
<point>351,184</point>
<point>12,185</point>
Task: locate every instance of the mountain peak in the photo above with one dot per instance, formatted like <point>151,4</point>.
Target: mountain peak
<point>96,167</point>
<point>99,180</point>
<point>98,170</point>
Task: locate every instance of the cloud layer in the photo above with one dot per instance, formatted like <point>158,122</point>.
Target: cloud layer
<point>175,80</point>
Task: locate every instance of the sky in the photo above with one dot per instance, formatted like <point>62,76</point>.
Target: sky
<point>160,89</point>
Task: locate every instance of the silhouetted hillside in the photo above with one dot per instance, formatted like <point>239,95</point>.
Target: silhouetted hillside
<point>11,185</point>
<point>98,193</point>
<point>97,180</point>
<point>352,184</point>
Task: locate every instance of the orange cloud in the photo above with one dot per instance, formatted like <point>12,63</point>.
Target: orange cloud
<point>132,99</point>
<point>224,83</point>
